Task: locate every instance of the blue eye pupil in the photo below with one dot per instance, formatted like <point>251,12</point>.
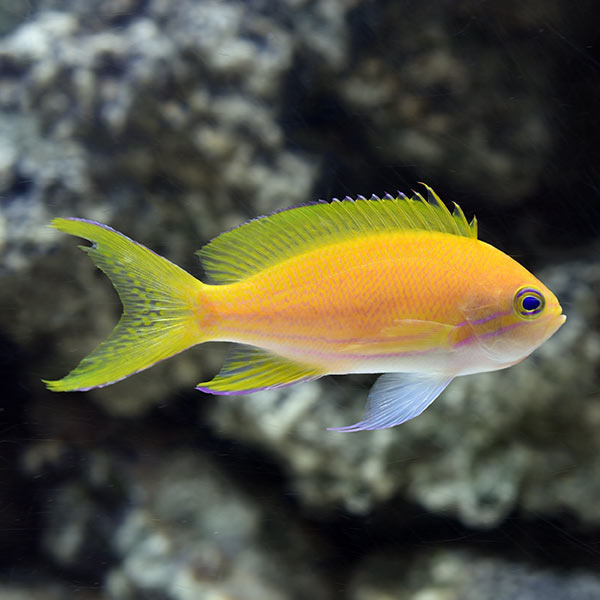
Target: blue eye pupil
<point>531,303</point>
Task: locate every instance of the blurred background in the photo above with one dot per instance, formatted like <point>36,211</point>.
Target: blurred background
<point>173,121</point>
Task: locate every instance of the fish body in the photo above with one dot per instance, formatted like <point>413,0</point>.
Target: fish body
<point>399,286</point>
<point>392,302</point>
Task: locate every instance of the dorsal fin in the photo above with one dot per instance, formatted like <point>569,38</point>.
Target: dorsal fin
<point>266,241</point>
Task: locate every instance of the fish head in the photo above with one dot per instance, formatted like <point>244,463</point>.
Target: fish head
<point>509,320</point>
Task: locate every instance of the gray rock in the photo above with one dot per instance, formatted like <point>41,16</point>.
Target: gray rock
<point>452,103</point>
<point>44,589</point>
<point>12,14</point>
<point>463,575</point>
<point>168,524</point>
<point>192,534</point>
<point>188,96</point>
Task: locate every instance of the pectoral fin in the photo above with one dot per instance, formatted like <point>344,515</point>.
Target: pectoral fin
<point>399,397</point>
<point>406,335</point>
<point>248,369</point>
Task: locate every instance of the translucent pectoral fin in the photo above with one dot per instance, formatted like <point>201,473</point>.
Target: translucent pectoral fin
<point>248,369</point>
<point>404,335</point>
<point>398,397</point>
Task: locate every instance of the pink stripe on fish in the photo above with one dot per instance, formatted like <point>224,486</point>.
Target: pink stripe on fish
<point>313,338</point>
<point>488,335</point>
<point>486,319</point>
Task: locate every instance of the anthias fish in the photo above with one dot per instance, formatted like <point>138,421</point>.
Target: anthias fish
<point>398,285</point>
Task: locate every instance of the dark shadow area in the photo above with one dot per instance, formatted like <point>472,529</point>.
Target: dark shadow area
<point>19,501</point>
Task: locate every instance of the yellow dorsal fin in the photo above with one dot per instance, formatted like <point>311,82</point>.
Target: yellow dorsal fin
<point>266,241</point>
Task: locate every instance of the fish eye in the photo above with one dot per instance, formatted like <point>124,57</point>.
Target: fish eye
<point>529,302</point>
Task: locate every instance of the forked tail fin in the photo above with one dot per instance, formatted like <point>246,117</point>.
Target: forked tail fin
<point>161,315</point>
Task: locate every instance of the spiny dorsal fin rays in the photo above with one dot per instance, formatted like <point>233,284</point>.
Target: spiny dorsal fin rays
<point>463,227</point>
<point>268,240</point>
<point>433,202</point>
<point>466,228</point>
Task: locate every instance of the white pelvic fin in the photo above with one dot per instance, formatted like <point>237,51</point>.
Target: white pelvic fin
<point>398,397</point>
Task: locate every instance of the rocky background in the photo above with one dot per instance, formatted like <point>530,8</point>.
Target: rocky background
<point>173,121</point>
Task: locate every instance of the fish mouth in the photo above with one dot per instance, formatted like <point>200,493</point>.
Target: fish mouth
<point>555,324</point>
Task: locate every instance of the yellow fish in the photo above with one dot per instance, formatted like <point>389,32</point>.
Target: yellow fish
<point>398,286</point>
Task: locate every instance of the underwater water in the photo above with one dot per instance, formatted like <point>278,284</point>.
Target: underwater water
<point>176,121</point>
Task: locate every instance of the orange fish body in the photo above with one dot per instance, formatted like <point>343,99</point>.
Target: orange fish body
<point>399,307</point>
<point>396,286</point>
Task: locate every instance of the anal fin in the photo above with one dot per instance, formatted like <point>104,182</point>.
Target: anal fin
<point>398,397</point>
<point>248,369</point>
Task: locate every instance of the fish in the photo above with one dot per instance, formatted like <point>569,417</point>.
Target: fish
<point>396,285</point>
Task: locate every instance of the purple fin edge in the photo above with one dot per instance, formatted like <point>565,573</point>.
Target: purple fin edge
<point>208,390</point>
<point>109,228</point>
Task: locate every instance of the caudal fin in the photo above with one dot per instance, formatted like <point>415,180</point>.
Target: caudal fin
<point>160,308</point>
